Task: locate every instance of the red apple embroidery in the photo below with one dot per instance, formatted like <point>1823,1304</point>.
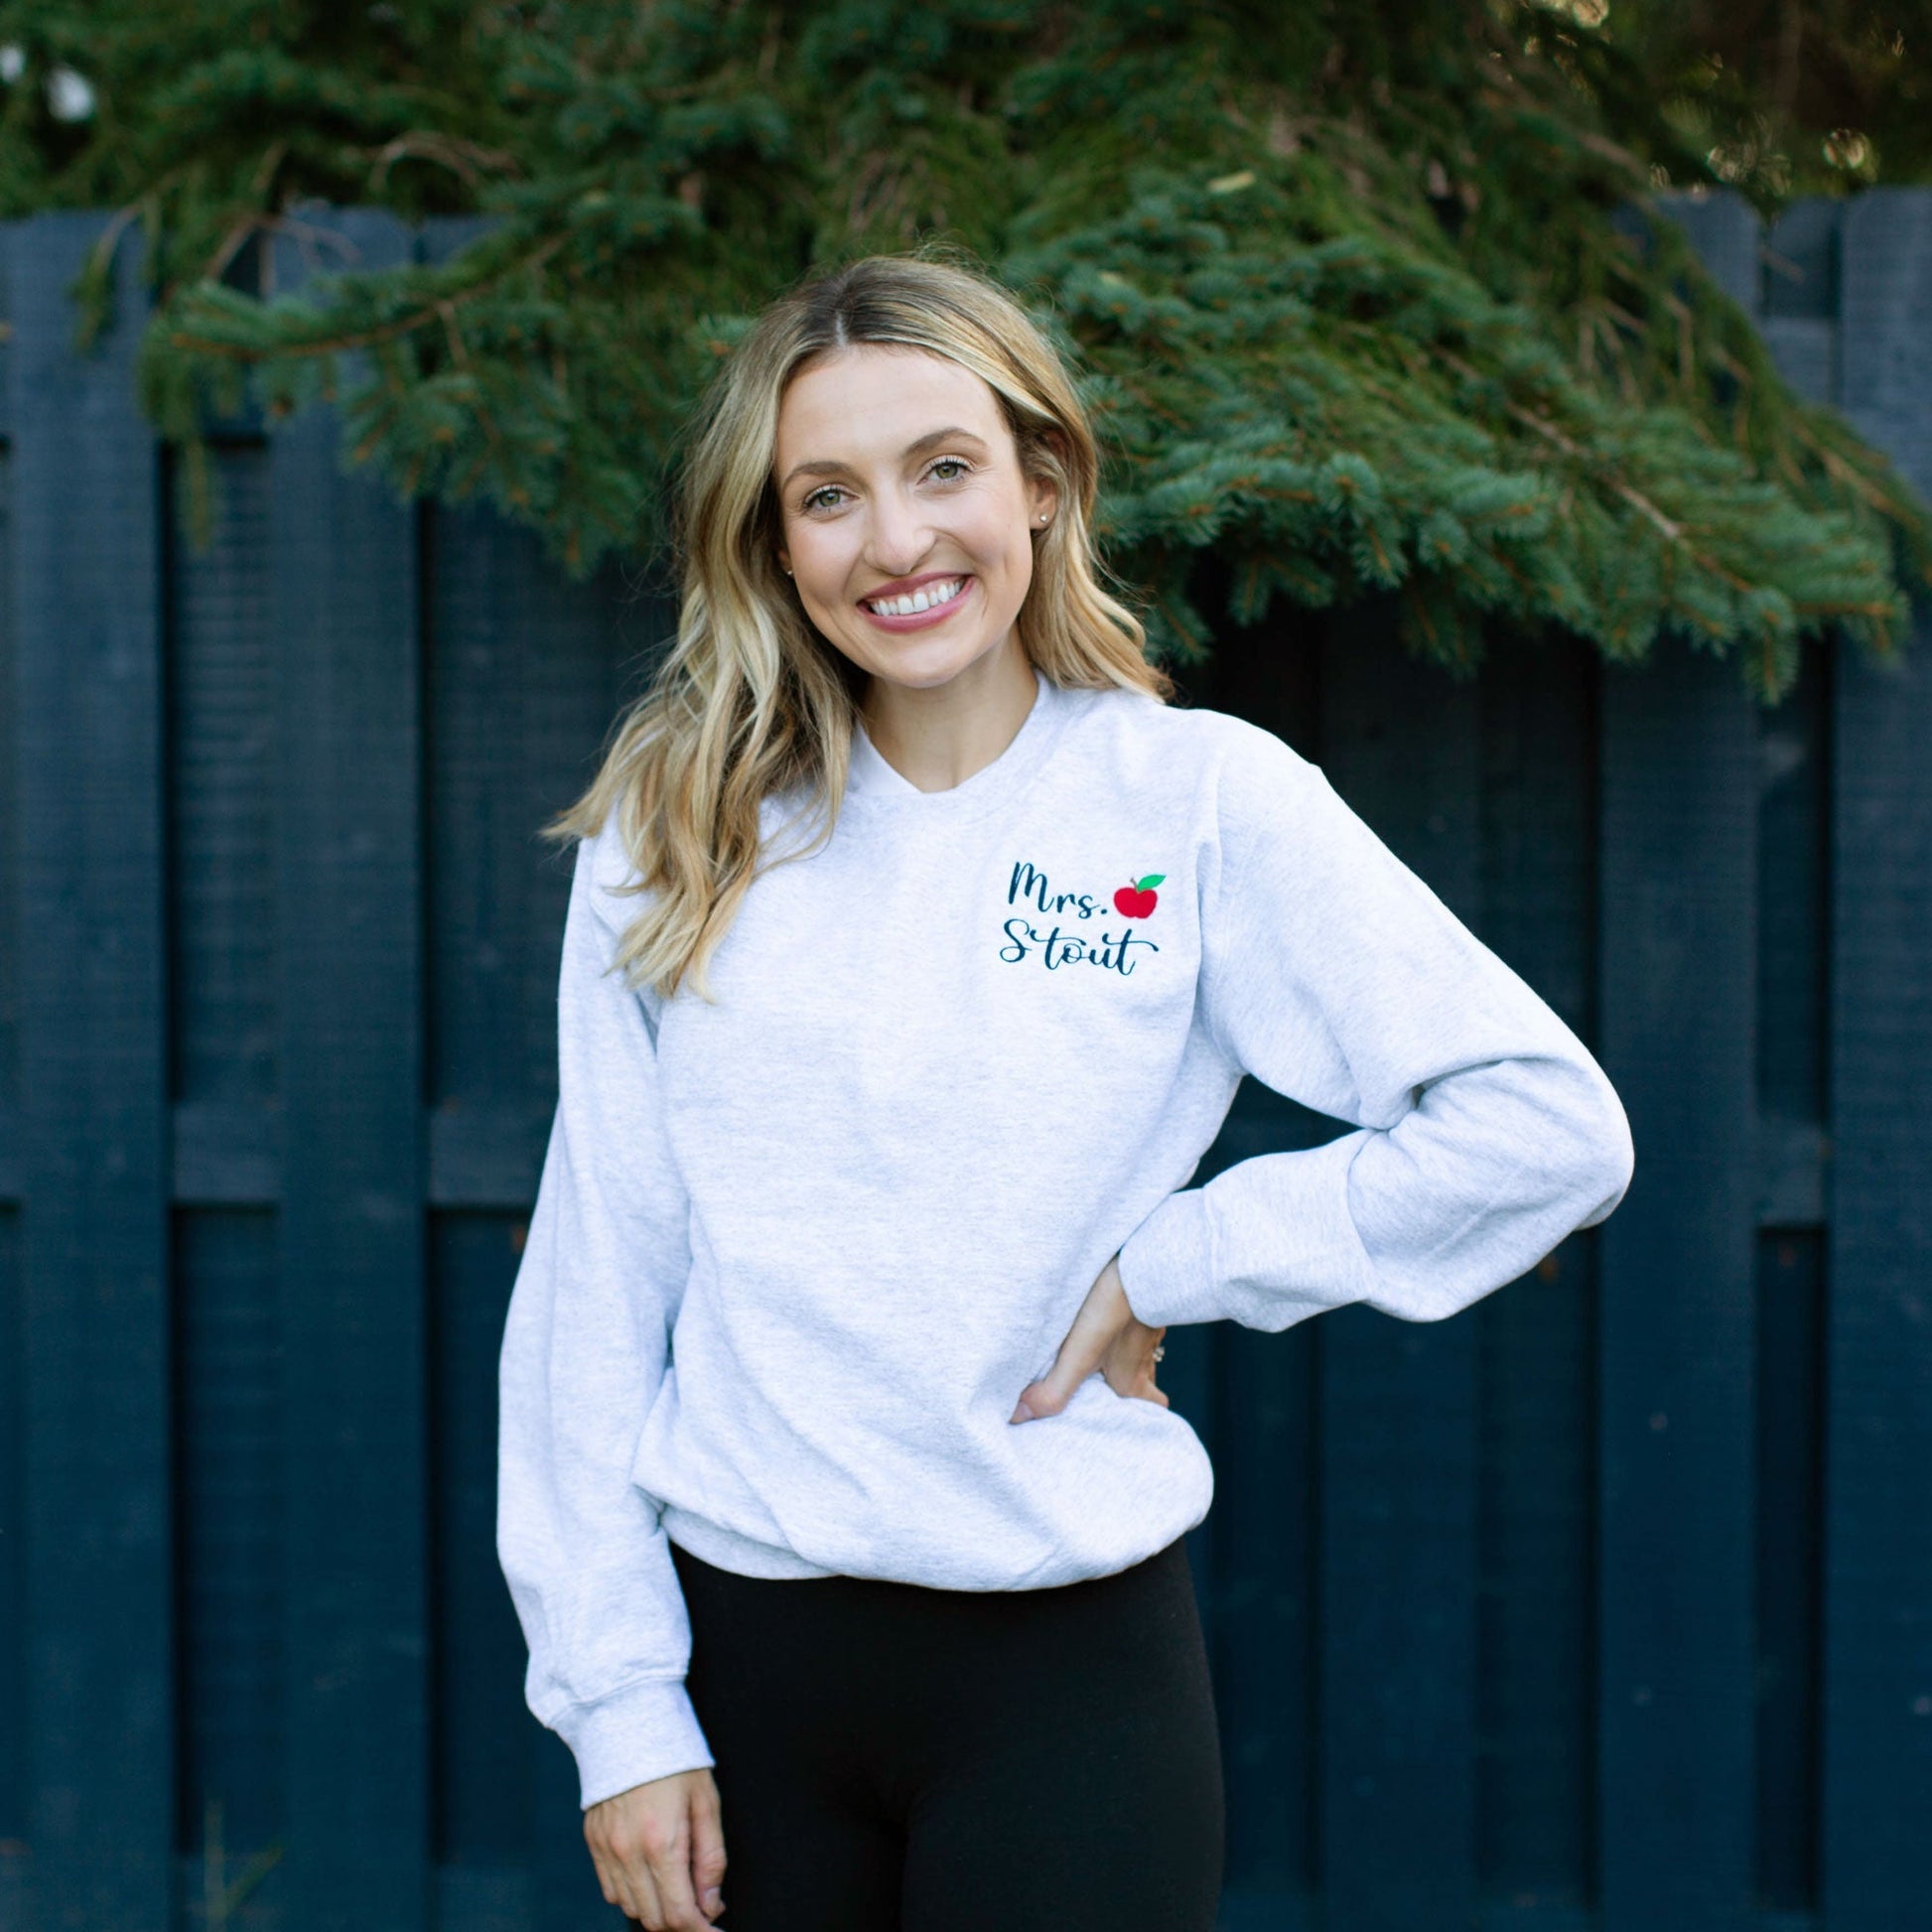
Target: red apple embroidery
<point>1138,900</point>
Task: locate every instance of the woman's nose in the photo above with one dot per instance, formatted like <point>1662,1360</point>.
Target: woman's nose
<point>900,536</point>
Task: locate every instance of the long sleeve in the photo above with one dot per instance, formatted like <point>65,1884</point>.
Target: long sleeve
<point>1485,1132</point>
<point>584,1350</point>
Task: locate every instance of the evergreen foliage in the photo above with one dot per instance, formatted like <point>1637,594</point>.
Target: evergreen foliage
<point>1373,294</point>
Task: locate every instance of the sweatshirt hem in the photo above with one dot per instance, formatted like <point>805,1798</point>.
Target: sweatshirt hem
<point>725,1549</point>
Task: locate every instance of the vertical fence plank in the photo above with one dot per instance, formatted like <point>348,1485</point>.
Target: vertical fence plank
<point>1879,1469</point>
<point>1677,973</point>
<point>1398,1400</point>
<point>345,584</point>
<point>492,655</point>
<point>1535,1794</point>
<point>93,1105</point>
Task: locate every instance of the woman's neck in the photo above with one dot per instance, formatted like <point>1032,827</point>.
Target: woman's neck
<point>938,735</point>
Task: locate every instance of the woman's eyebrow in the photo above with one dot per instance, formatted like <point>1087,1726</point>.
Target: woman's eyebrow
<point>935,437</point>
<point>931,439</point>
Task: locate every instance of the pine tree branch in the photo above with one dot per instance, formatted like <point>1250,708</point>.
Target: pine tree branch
<point>354,338</point>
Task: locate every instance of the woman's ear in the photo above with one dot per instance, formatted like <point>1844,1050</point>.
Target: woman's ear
<point>1042,492</point>
<point>1043,502</point>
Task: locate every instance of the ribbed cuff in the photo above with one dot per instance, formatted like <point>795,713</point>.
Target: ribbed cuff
<point>1166,1263</point>
<point>1266,1243</point>
<point>646,1730</point>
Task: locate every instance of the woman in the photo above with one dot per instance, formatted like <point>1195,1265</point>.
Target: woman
<point>916,948</point>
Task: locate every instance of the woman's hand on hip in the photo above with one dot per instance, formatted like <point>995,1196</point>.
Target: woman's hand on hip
<point>1106,1337</point>
<point>659,1851</point>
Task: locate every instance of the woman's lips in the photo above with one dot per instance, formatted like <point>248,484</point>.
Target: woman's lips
<point>921,620</point>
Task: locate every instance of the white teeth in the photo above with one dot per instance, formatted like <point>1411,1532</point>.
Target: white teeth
<point>917,600</point>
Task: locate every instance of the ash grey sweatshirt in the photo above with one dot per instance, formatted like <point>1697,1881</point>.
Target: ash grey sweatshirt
<point>795,1254</point>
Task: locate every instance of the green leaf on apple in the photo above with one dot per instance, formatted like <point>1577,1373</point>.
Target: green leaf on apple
<point>1151,880</point>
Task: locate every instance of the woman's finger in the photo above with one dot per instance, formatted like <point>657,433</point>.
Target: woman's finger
<point>635,1880</point>
<point>635,1898</point>
<point>1129,1365</point>
<point>615,1884</point>
<point>670,1857</point>
<point>1082,1351</point>
<point>606,1884</point>
<point>1092,1342</point>
<point>707,1852</point>
<point>645,1912</point>
<point>1152,1352</point>
<point>1080,1354</point>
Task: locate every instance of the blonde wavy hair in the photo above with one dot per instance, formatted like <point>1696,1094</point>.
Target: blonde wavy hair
<point>750,700</point>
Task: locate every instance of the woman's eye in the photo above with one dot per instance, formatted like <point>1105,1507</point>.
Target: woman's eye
<point>821,498</point>
<point>956,465</point>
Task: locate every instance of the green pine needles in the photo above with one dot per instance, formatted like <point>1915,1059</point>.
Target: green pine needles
<point>1371,298</point>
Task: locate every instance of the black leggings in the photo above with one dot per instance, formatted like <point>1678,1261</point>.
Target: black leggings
<point>894,1759</point>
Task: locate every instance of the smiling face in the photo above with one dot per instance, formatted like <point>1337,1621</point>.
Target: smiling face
<point>904,515</point>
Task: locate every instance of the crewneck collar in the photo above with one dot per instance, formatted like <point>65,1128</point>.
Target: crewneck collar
<point>873,783</point>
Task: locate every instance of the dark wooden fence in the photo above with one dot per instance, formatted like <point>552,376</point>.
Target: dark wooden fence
<point>1606,1605</point>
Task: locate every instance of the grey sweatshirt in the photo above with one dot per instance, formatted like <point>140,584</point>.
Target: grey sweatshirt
<point>795,1254</point>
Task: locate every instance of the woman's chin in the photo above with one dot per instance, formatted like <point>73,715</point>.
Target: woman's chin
<point>926,662</point>
<point>921,665</point>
